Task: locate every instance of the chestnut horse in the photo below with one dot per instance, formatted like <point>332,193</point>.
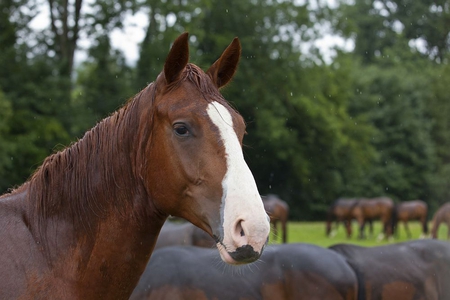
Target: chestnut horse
<point>381,208</point>
<point>86,223</point>
<point>342,211</point>
<point>278,211</point>
<point>442,215</point>
<point>411,270</point>
<point>284,272</point>
<point>411,210</point>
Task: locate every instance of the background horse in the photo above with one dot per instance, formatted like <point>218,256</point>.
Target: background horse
<point>367,210</point>
<point>286,271</point>
<point>85,224</point>
<point>342,211</point>
<point>442,215</point>
<point>278,211</point>
<point>411,210</point>
<point>183,234</point>
<point>404,271</point>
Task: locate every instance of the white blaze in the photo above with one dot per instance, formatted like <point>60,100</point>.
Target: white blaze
<point>241,201</point>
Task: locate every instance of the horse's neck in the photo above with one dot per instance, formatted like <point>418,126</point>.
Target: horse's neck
<point>99,264</point>
<point>112,263</point>
<point>91,215</point>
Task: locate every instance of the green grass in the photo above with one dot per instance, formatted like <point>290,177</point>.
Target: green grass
<point>314,233</point>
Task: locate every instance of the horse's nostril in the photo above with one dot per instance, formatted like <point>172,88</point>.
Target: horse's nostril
<point>242,232</point>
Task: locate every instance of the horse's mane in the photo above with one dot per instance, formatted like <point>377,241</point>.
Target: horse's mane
<point>84,181</point>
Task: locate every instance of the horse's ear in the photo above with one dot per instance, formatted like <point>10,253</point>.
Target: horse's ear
<point>177,58</point>
<point>224,68</point>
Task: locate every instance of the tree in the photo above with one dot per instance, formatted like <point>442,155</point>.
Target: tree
<point>103,85</point>
<point>298,126</point>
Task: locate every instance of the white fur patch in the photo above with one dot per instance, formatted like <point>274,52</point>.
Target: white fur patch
<point>241,202</point>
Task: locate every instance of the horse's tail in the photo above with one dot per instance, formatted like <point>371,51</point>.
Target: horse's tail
<point>425,222</point>
<point>425,226</point>
<point>394,220</point>
<point>330,217</point>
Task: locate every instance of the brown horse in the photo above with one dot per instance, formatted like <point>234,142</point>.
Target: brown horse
<point>284,272</point>
<point>367,210</point>
<point>411,270</point>
<point>86,223</point>
<point>411,210</point>
<point>278,211</point>
<point>442,215</point>
<point>183,234</point>
<point>342,211</point>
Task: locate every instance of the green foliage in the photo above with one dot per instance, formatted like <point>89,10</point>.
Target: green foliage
<point>372,122</point>
<point>103,85</point>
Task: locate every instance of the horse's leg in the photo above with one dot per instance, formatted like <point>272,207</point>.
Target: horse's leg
<point>384,232</point>
<point>361,223</point>
<point>408,232</point>
<point>335,229</point>
<point>348,227</point>
<point>284,229</point>
<point>371,227</point>
<point>424,222</point>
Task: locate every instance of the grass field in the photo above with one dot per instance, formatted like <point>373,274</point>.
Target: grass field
<point>314,233</point>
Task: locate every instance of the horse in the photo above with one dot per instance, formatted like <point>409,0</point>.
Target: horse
<point>411,210</point>
<point>410,270</point>
<point>278,210</point>
<point>341,210</point>
<point>183,234</point>
<point>442,215</point>
<point>284,272</point>
<point>366,210</point>
<point>86,222</point>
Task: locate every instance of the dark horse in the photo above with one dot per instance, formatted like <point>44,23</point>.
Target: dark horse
<point>183,234</point>
<point>405,271</point>
<point>442,215</point>
<point>367,210</point>
<point>411,210</point>
<point>85,224</point>
<point>278,211</point>
<point>284,272</point>
<point>342,211</point>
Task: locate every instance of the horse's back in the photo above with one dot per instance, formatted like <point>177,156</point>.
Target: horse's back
<point>405,271</point>
<point>413,209</point>
<point>343,207</point>
<point>289,271</point>
<point>313,272</point>
<point>184,273</point>
<point>375,207</point>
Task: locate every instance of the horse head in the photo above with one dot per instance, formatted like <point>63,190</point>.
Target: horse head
<point>194,152</point>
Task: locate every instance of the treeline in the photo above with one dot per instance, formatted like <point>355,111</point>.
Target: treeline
<point>373,121</point>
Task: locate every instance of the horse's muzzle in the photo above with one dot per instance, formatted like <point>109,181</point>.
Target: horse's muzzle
<point>245,254</point>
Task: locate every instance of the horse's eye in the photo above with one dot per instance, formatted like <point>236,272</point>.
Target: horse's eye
<point>181,130</point>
